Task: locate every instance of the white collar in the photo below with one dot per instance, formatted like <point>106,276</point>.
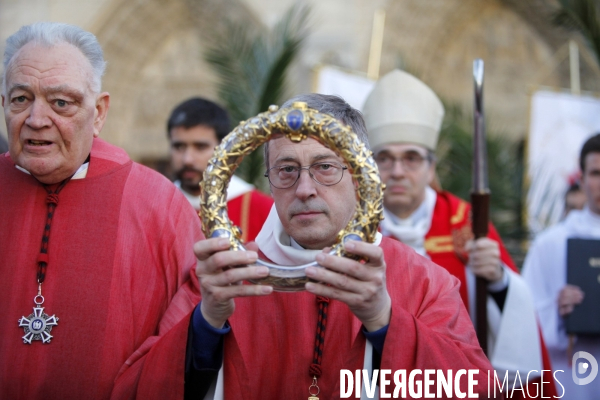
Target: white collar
<point>412,230</point>
<point>79,174</point>
<point>237,187</point>
<point>583,223</point>
<point>282,249</point>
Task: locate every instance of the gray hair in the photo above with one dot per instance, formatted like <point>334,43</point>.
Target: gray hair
<point>334,106</point>
<point>51,34</point>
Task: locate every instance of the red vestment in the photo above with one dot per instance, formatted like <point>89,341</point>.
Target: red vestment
<point>449,232</point>
<point>444,243</point>
<point>270,347</point>
<point>249,212</point>
<point>120,246</point>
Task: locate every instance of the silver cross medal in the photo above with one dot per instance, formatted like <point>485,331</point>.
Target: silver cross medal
<point>37,326</point>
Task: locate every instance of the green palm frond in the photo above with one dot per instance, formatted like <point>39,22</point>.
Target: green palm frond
<point>583,16</point>
<point>252,68</point>
<point>288,35</point>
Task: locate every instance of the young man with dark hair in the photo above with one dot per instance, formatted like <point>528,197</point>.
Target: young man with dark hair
<point>195,128</point>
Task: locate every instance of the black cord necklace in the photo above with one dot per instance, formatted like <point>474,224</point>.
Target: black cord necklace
<point>315,368</point>
<point>37,326</point>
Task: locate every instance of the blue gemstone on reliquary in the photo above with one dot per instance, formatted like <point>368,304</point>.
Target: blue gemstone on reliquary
<point>295,119</point>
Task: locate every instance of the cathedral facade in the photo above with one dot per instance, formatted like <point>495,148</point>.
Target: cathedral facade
<point>155,51</point>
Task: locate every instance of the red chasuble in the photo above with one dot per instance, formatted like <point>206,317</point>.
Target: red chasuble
<point>450,230</point>
<point>121,244</point>
<point>269,350</point>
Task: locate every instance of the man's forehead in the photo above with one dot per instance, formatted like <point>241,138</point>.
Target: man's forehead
<point>58,66</point>
<point>400,148</point>
<point>47,89</point>
<point>195,133</point>
<point>592,161</point>
<point>282,147</point>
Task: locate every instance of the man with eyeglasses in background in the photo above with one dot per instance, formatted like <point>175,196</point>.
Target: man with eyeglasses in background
<point>403,118</point>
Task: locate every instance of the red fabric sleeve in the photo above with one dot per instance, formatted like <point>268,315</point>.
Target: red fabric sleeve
<point>441,331</point>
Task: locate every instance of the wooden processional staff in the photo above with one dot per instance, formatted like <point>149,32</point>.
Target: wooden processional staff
<point>480,198</point>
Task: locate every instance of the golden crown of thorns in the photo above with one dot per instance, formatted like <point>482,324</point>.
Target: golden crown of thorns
<point>297,123</point>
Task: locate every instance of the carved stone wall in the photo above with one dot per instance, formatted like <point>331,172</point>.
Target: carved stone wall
<point>154,55</point>
<point>518,59</point>
<point>154,50</point>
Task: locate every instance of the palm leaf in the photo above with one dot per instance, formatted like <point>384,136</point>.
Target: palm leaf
<point>505,169</point>
<point>252,69</point>
<point>582,16</point>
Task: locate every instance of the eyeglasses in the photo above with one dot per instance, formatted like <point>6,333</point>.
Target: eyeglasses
<point>324,173</point>
<point>411,161</point>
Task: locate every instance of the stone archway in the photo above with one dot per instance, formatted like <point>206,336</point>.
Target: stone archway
<point>441,52</point>
<point>154,52</point>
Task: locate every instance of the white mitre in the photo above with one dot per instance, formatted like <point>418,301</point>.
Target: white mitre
<point>402,109</point>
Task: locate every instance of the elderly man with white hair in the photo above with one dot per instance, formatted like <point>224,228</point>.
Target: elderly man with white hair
<point>94,246</point>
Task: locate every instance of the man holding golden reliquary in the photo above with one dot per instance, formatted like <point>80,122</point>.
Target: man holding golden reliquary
<point>396,311</point>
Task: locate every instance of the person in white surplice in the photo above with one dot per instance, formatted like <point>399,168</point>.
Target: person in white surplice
<point>545,271</point>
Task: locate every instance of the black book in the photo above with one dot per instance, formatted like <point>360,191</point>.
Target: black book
<point>583,270</point>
